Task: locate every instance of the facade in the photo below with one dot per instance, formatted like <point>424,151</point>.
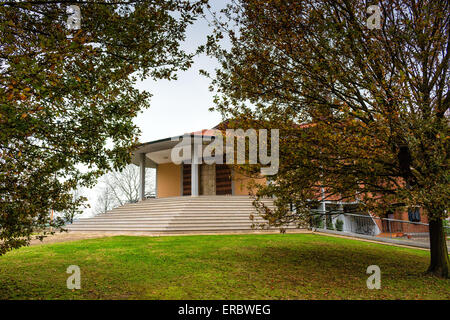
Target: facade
<point>400,222</point>
<point>191,177</point>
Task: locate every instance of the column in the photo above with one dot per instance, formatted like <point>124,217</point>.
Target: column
<point>195,168</point>
<point>142,176</point>
<point>323,208</point>
<point>156,181</point>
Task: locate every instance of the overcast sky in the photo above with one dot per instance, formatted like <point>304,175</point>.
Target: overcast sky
<point>182,106</point>
<point>177,106</point>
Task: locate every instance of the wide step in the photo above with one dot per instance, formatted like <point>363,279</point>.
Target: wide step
<point>178,214</point>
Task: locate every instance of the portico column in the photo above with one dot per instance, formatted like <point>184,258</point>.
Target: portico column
<point>195,169</point>
<point>156,180</point>
<point>142,176</point>
<point>323,208</point>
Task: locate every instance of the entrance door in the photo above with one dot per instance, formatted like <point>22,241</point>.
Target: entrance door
<point>223,179</point>
<point>214,180</point>
<point>186,179</point>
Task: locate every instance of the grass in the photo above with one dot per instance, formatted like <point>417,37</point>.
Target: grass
<point>277,266</point>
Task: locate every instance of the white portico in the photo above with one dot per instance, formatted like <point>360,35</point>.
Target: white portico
<point>177,179</point>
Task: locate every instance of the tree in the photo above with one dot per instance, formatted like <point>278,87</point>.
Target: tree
<point>363,113</point>
<point>67,98</point>
<point>76,206</point>
<point>105,201</point>
<point>122,187</point>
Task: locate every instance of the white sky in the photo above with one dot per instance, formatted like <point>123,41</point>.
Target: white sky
<point>182,106</point>
<point>177,106</point>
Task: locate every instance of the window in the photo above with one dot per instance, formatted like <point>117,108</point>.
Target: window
<point>414,214</point>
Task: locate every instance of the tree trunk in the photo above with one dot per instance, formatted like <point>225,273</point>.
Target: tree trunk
<point>438,249</point>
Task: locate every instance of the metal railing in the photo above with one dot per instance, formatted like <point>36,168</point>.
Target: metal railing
<point>365,224</point>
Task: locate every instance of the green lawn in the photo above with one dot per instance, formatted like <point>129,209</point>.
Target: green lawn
<point>276,266</point>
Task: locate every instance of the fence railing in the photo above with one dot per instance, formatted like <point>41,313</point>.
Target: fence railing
<point>374,226</point>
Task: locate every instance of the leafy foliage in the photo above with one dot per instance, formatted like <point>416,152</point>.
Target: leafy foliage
<point>75,208</point>
<point>339,225</point>
<point>67,98</point>
<point>363,114</point>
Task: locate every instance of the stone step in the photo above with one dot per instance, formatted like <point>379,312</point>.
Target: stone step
<point>166,221</point>
<point>156,229</point>
<point>168,226</point>
<point>199,202</point>
<point>182,211</point>
<point>169,217</point>
<point>166,217</point>
<point>199,205</point>
<point>187,207</point>
<point>193,205</point>
<point>173,207</point>
<point>177,214</point>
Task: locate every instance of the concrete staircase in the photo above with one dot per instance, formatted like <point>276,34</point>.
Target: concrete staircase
<point>203,214</point>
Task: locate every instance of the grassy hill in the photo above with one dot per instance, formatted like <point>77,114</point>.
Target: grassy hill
<point>276,266</point>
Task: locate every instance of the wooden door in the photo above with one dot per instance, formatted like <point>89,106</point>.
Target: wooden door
<point>186,179</point>
<point>223,179</point>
